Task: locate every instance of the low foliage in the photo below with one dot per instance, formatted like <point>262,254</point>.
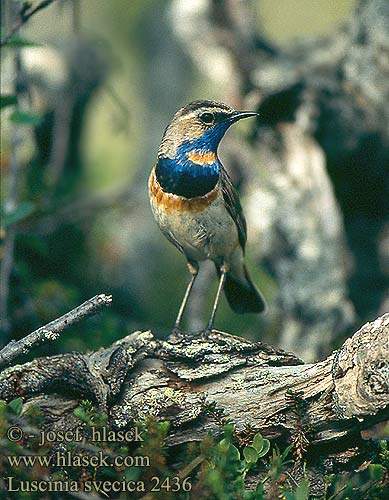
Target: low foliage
<point>237,466</point>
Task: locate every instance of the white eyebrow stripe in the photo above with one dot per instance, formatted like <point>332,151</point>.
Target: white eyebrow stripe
<point>197,112</point>
<point>192,114</point>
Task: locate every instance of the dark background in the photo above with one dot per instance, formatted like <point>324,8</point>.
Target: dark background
<point>96,83</point>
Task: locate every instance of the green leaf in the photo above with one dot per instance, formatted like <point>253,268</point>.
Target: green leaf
<point>258,441</point>
<point>21,212</point>
<point>285,453</point>
<point>18,41</point>
<point>302,490</point>
<point>376,472</point>
<point>233,452</point>
<point>25,118</point>
<point>16,406</point>
<point>81,414</point>
<point>259,488</point>
<point>250,454</point>
<point>164,426</point>
<point>265,448</point>
<point>7,100</point>
<point>228,431</point>
<point>132,473</point>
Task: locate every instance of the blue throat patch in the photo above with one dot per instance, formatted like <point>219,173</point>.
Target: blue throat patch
<point>183,177</point>
<point>189,179</point>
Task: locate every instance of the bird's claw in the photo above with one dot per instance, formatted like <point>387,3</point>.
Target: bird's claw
<point>206,332</point>
<point>176,333</point>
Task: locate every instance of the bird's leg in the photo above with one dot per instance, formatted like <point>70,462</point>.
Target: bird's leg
<point>194,270</point>
<point>223,275</point>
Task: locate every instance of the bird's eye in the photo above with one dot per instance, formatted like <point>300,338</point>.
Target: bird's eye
<point>207,118</point>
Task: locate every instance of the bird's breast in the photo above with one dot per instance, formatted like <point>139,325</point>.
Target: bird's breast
<point>170,202</point>
<point>189,174</point>
<point>200,227</point>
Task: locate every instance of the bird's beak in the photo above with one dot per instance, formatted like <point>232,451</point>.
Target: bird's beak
<point>238,115</point>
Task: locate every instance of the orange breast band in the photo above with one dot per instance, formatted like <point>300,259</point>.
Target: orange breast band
<point>202,158</point>
<point>172,203</point>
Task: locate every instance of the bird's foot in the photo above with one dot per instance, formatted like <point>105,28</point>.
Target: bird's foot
<point>176,333</point>
<point>206,332</point>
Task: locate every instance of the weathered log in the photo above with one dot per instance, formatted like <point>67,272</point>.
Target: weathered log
<point>323,406</point>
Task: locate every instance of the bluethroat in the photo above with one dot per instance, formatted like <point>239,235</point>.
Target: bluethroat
<point>196,205</point>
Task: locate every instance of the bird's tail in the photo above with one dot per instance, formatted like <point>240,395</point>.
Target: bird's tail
<point>242,295</point>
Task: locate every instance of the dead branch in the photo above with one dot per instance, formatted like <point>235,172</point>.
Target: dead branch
<point>25,13</point>
<point>52,330</point>
<point>253,384</point>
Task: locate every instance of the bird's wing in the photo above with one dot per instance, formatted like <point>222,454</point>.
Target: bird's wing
<point>233,205</point>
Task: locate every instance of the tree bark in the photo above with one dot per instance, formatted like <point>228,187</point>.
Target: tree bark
<point>321,408</point>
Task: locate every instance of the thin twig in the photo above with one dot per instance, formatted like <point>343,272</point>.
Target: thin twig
<point>24,15</point>
<point>52,330</point>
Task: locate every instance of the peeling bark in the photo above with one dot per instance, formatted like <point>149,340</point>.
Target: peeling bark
<point>255,385</point>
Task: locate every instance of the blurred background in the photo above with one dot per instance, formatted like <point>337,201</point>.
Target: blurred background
<point>88,87</point>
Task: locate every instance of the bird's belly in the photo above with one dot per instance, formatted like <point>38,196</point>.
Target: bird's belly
<point>207,234</point>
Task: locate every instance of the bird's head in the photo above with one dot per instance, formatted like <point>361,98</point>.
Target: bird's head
<point>198,127</point>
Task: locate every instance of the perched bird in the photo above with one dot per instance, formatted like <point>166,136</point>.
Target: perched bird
<point>196,205</point>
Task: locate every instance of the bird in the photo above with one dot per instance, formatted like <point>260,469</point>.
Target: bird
<point>197,207</point>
